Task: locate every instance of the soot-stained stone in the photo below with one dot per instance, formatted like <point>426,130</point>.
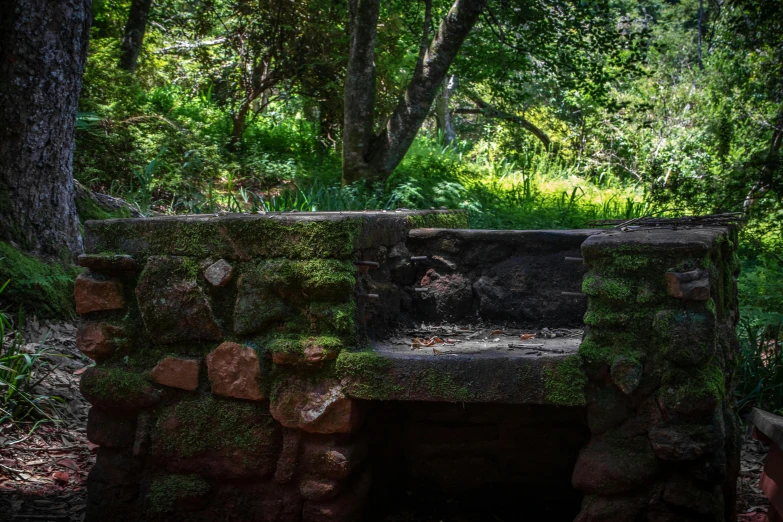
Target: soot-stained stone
<point>235,371</point>
<point>99,340</point>
<point>219,273</point>
<point>447,297</point>
<point>691,338</point>
<point>176,372</point>
<point>95,294</point>
<point>319,407</point>
<point>174,308</point>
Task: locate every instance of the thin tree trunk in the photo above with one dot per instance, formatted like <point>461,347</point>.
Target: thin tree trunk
<point>389,148</point>
<point>43,50</point>
<point>134,34</point>
<point>701,15</point>
<point>359,96</point>
<point>443,113</point>
<point>374,158</point>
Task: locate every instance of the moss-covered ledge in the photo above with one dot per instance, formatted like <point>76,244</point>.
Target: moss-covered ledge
<point>390,375</point>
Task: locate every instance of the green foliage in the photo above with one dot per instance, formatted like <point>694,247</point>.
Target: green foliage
<point>21,370</point>
<point>760,365</point>
<point>45,288</point>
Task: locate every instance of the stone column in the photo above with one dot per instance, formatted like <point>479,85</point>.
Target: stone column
<point>659,352</point>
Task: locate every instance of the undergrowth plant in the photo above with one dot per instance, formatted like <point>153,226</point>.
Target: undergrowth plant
<point>21,372</point>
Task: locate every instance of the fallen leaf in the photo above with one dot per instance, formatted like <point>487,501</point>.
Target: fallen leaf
<point>92,447</point>
<point>80,371</point>
<point>451,341</point>
<point>435,351</point>
<point>498,332</point>
<point>437,340</point>
<point>61,476</point>
<point>525,337</point>
<point>68,463</point>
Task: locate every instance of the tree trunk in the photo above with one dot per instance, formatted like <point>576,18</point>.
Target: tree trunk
<point>374,158</point>
<point>134,34</point>
<point>43,50</point>
<point>359,89</point>
<point>443,113</point>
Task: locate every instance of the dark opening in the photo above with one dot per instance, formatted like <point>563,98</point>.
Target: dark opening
<point>473,462</point>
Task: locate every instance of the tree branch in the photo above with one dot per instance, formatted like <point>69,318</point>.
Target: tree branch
<point>489,111</point>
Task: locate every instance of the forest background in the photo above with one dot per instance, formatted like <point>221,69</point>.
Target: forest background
<point>553,113</point>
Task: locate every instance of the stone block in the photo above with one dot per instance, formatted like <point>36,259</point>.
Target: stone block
<point>219,273</point>
<point>235,371</point>
<point>114,389</point>
<point>177,372</point>
<point>317,489</point>
<point>611,509</point>
<point>346,507</point>
<point>331,458</point>
<point>93,294</point>
<point>611,465</point>
<point>315,407</point>
<point>111,431</point>
<point>107,262</point>
<point>693,285</point>
<point>99,340</point>
<point>257,307</point>
<point>626,374</point>
<point>174,308</point>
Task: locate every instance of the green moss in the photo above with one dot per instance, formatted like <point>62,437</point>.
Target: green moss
<point>190,266</point>
<point>41,288</point>
<point>192,427</point>
<point>692,386</point>
<point>88,208</point>
<point>453,219</point>
<point>564,384</point>
<point>445,387</point>
<point>232,238</point>
<point>366,375</point>
<point>165,491</point>
<point>116,382</point>
<point>619,289</point>
<point>339,318</point>
<point>601,312</point>
<point>296,345</point>
<point>315,278</point>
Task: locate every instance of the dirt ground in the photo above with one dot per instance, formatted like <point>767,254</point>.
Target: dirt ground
<point>43,474</point>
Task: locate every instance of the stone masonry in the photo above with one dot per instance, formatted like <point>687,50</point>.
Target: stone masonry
<point>238,359</point>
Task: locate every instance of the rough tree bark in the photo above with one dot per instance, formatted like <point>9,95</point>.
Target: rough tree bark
<point>134,34</point>
<point>443,113</point>
<point>372,157</point>
<point>43,49</point>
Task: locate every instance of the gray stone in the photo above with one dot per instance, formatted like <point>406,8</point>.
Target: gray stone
<point>693,285</point>
<point>219,273</point>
